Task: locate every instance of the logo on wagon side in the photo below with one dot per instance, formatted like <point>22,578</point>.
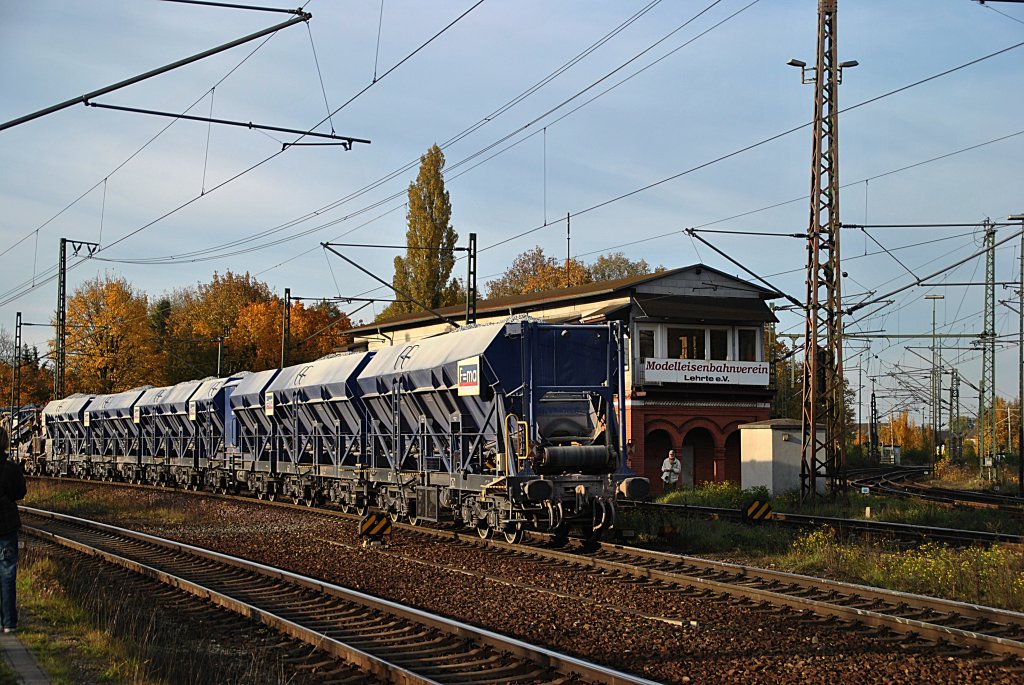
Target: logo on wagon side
<point>268,403</point>
<point>469,376</point>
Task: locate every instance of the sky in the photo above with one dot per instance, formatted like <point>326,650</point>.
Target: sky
<point>639,119</point>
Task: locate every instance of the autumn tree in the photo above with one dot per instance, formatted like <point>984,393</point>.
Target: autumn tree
<point>193,319</point>
<point>318,330</point>
<point>616,265</point>
<point>36,379</point>
<point>533,272</point>
<point>315,331</point>
<point>110,346</point>
<point>423,273</point>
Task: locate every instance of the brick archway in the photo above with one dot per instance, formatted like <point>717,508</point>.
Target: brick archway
<point>732,457</point>
<point>700,443</point>
<point>657,443</point>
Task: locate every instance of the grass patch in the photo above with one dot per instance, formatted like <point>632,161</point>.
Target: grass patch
<point>105,503</point>
<point>70,498</point>
<point>61,635</point>
<point>87,623</point>
<point>993,576</point>
<point>964,477</point>
<point>891,509</point>
<point>694,535</point>
<point>990,575</point>
<point>7,674</point>
<point>723,495</point>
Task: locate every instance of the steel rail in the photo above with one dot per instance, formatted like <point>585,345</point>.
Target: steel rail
<point>537,658</point>
<point>895,482</point>
<point>824,597</point>
<point>902,530</point>
<point>914,615</point>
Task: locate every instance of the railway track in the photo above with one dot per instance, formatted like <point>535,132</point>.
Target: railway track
<point>948,625</point>
<point>900,482</point>
<point>928,625</point>
<point>902,531</point>
<point>391,642</point>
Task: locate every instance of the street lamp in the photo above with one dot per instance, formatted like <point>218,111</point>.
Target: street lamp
<point>1020,360</point>
<point>936,377</point>
<point>807,74</point>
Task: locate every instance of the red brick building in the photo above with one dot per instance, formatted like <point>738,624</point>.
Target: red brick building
<point>697,367</point>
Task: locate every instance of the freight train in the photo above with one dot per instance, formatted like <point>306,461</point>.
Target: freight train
<point>503,427</point>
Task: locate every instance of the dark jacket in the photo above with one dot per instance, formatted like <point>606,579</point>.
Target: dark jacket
<point>12,489</point>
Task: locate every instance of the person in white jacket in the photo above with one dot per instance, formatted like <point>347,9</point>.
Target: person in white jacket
<point>670,470</point>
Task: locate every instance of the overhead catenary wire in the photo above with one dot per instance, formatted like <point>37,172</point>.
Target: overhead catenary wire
<point>139,150</point>
<point>762,142</point>
<point>485,120</point>
<point>8,298</point>
<point>803,198</point>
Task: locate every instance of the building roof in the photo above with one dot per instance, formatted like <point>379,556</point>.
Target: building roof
<point>589,291</point>
<point>717,310</point>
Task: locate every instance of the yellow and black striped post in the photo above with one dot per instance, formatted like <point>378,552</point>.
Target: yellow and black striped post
<point>757,511</point>
<point>374,527</point>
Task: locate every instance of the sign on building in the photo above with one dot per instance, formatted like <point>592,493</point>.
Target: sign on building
<point>706,371</point>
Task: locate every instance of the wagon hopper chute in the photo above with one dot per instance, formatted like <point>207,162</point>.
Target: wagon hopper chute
<point>319,437</point>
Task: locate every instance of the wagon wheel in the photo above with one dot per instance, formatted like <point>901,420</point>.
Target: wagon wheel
<point>309,501</point>
<point>484,531</point>
<point>362,509</point>
<point>514,536</point>
<point>260,494</point>
<point>346,508</point>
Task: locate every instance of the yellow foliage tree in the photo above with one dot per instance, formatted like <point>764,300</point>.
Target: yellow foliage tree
<point>110,346</point>
<point>195,318</point>
<point>315,331</point>
<point>424,273</point>
<point>533,272</point>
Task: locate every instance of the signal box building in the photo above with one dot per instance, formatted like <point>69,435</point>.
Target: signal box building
<point>697,368</point>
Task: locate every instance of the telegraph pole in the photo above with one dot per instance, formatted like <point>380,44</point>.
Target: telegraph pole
<point>936,384</point>
<point>471,280</point>
<point>286,324</point>
<point>16,370</point>
<point>1020,361</point>
<point>568,248</point>
<point>956,439</point>
<point>823,459</point>
<point>62,309</point>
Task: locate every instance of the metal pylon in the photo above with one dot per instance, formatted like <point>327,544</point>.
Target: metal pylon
<point>61,338</point>
<point>874,452</point>
<point>987,396</point>
<point>823,458</point>
<point>955,436</point>
<point>62,312</point>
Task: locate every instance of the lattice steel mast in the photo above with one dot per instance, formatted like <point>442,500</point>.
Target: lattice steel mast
<point>823,417</point>
<point>987,394</point>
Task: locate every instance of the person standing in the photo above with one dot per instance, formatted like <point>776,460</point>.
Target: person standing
<point>12,489</point>
<point>670,470</point>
